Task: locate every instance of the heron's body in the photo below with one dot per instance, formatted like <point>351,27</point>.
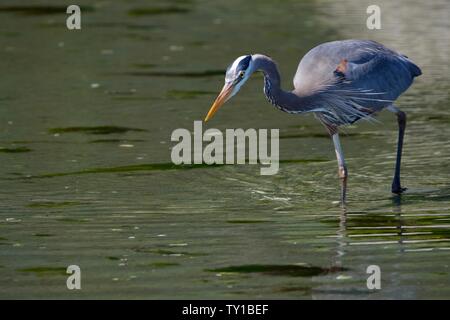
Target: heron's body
<point>340,82</point>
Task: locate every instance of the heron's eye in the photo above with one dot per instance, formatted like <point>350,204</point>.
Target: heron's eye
<point>241,74</point>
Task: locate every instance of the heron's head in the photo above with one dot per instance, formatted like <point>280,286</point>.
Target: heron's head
<point>237,74</point>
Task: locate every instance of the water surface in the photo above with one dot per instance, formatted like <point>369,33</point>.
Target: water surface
<point>86,178</point>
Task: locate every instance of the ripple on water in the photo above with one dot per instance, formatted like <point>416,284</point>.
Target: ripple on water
<point>40,10</point>
<point>15,150</point>
<point>291,270</point>
<point>161,10</point>
<point>94,130</point>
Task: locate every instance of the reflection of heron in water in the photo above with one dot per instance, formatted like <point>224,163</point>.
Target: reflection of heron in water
<point>341,238</point>
<point>341,82</point>
<point>397,210</point>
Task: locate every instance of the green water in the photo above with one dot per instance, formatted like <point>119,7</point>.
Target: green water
<point>86,177</point>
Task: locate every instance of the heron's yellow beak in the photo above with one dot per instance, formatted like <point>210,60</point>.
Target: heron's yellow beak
<point>220,100</point>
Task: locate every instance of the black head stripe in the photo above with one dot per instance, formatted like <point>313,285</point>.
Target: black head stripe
<point>244,63</point>
<point>232,75</point>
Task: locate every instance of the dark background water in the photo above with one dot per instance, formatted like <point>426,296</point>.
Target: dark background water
<point>85,174</point>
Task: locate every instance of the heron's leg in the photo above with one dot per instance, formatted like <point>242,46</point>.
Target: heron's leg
<point>401,118</point>
<point>342,168</point>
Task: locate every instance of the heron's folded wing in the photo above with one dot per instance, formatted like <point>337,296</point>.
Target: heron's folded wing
<point>383,76</point>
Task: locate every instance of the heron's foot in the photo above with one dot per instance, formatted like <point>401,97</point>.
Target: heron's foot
<point>398,189</point>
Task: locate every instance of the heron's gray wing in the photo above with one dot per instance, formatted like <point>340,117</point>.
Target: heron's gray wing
<point>384,76</point>
<point>363,87</point>
<point>352,79</point>
<point>371,66</point>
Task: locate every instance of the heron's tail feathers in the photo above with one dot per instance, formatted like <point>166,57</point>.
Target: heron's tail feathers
<point>415,70</point>
<point>412,67</point>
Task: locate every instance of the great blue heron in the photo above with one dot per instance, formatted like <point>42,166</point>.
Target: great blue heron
<point>340,82</point>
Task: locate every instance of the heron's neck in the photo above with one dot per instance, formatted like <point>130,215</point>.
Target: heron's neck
<point>284,100</point>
